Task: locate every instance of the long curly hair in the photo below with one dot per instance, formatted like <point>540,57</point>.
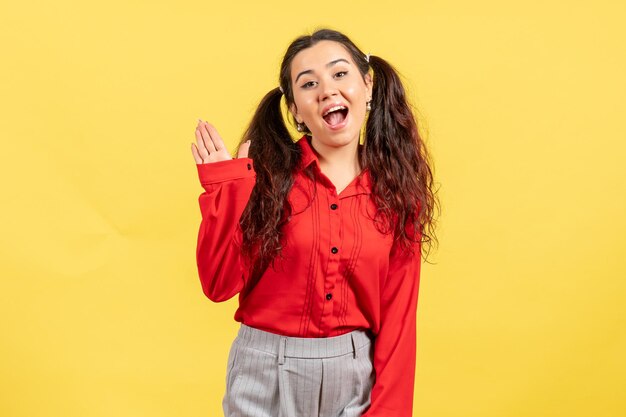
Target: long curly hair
<point>394,152</point>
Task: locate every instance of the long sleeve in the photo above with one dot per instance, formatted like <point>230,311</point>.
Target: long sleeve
<point>395,344</point>
<point>228,185</point>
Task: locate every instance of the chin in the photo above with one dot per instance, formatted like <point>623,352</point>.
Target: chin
<point>336,138</point>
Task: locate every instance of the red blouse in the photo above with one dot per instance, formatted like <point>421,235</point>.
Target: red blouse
<point>339,273</point>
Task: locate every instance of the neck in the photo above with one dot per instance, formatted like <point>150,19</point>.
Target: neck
<point>332,159</point>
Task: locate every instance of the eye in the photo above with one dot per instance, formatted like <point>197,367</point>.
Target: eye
<point>306,85</point>
<point>342,72</point>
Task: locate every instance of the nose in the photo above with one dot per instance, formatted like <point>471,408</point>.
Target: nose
<point>328,89</point>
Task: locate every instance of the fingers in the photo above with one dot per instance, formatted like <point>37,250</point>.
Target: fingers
<point>201,148</point>
<point>218,143</point>
<point>243,150</point>
<point>196,155</point>
<point>209,145</point>
<point>206,137</point>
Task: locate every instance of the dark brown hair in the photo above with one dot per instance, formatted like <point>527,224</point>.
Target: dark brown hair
<point>394,153</point>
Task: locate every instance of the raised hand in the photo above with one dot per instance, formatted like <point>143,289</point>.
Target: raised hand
<point>210,147</point>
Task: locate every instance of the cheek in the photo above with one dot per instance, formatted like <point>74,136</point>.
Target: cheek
<point>358,104</point>
<point>357,94</point>
<point>308,107</point>
<point>309,112</point>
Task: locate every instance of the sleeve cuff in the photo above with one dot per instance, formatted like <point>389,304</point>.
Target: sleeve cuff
<point>231,169</point>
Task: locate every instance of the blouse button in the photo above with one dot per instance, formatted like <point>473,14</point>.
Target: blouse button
<point>334,250</point>
<point>329,296</point>
<point>333,206</point>
<point>249,167</point>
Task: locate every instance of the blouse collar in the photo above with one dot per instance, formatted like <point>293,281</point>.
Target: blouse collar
<point>362,186</point>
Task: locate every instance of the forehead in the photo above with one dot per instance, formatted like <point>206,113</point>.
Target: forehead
<point>317,56</point>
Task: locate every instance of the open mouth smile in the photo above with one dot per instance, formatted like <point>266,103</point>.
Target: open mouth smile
<point>336,117</point>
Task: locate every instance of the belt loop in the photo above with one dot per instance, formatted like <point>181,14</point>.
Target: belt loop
<point>354,347</point>
<point>281,350</point>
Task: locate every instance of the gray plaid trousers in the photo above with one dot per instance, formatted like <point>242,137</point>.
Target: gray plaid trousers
<point>269,375</point>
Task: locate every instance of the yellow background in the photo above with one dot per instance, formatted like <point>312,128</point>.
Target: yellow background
<point>522,312</point>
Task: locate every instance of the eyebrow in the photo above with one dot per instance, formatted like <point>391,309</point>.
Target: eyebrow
<point>330,64</point>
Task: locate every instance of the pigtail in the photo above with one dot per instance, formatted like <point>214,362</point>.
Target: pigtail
<point>398,159</point>
<point>275,155</point>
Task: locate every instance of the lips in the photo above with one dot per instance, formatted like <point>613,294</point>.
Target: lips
<point>335,115</point>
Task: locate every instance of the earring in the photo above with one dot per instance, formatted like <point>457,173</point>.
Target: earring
<point>368,106</point>
<point>299,127</point>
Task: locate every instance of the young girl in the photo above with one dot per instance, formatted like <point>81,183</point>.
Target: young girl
<point>321,238</point>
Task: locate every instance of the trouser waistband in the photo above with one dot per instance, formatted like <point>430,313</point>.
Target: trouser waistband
<point>303,347</point>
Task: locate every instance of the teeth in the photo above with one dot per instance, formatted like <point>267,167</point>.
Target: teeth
<point>333,109</point>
